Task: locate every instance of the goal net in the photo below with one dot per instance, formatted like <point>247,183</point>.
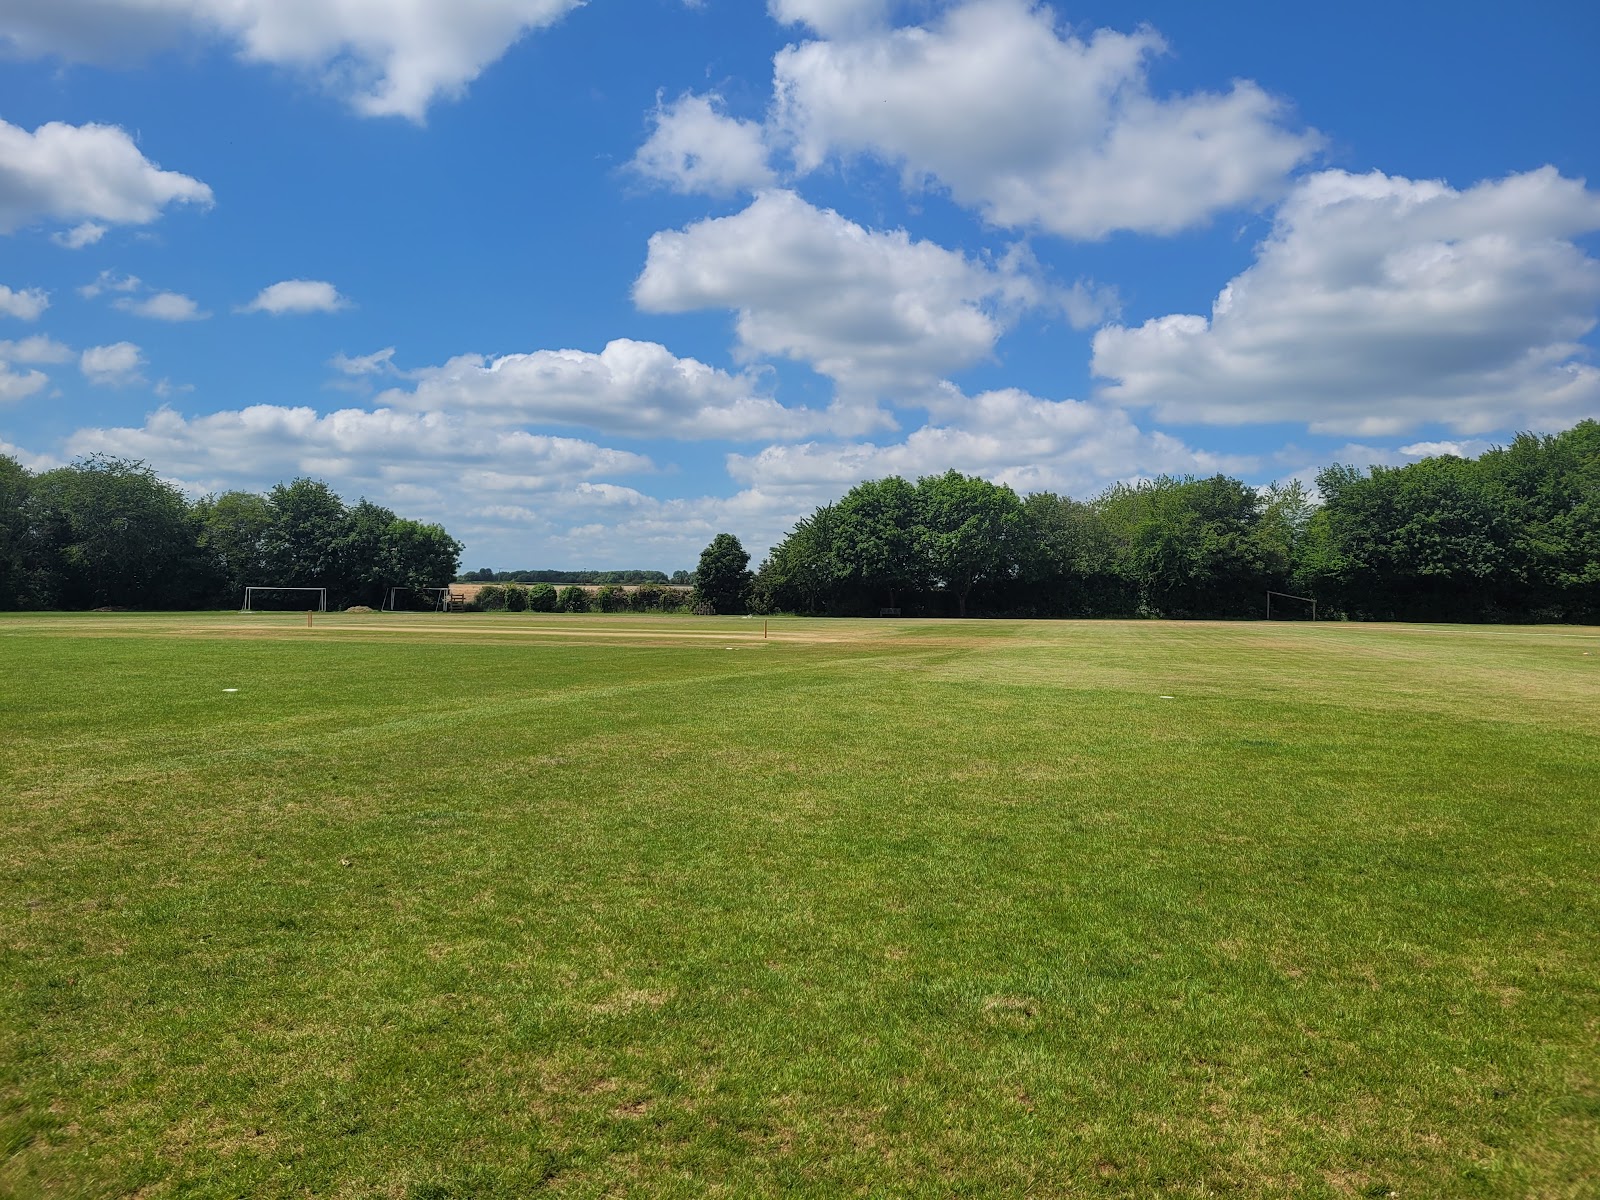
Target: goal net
<point>276,599</point>
<point>1290,608</point>
<point>408,599</point>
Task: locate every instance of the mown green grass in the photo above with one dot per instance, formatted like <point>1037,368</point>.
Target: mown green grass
<point>504,905</point>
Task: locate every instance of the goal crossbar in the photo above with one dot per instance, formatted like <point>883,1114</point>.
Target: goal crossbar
<point>1286,596</point>
<point>250,592</point>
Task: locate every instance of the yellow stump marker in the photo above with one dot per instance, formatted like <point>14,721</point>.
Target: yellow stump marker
<point>308,618</point>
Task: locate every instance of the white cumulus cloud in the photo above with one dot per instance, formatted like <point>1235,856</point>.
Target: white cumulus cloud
<point>79,236</point>
<point>17,385</point>
<point>29,352</point>
<point>1033,127</point>
<point>35,350</point>
<point>25,305</point>
<point>380,362</point>
<point>112,366</point>
<point>875,311</point>
<point>695,147</point>
<point>1378,304</point>
<point>70,173</point>
<point>384,57</point>
<point>1007,435</point>
<point>427,461</point>
<point>295,296</point>
<point>633,389</point>
<point>163,306</point>
<point>110,281</point>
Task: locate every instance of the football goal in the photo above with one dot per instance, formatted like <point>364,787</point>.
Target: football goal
<point>251,594</point>
<point>429,598</point>
<point>1291,612</point>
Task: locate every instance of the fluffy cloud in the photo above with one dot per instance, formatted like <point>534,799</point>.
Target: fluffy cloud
<point>385,57</point>
<point>1465,448</point>
<point>79,236</point>
<point>25,305</point>
<point>268,442</point>
<point>163,306</point>
<point>35,350</point>
<point>75,172</point>
<point>380,362</point>
<point>33,462</point>
<point>112,366</point>
<point>110,281</point>
<point>695,147</point>
<point>16,385</point>
<point>1032,127</point>
<point>29,352</point>
<point>295,296</point>
<point>874,311</point>
<point>634,389</point>
<point>1378,304</point>
<point>1008,436</point>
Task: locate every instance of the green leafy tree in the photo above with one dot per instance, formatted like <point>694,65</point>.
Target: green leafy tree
<point>542,598</point>
<point>1433,540</point>
<point>1550,487</point>
<point>307,539</point>
<point>233,530</point>
<point>420,555</point>
<point>968,531</point>
<point>15,587</point>
<point>364,554</point>
<point>874,538</point>
<point>1069,559</point>
<point>804,572</point>
<point>723,577</point>
<point>611,597</point>
<point>109,532</point>
<point>573,599</point>
<point>1192,547</point>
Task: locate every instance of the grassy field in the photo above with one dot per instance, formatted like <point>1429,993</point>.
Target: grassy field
<point>475,906</point>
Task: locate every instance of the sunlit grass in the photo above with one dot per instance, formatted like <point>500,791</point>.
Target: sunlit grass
<point>479,905</point>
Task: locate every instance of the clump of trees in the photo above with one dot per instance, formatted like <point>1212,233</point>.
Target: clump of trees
<point>1513,535</point>
<point>107,532</point>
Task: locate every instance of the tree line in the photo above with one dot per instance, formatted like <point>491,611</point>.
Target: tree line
<point>108,533</point>
<point>1511,536</point>
<point>574,598</point>
<point>580,578</point>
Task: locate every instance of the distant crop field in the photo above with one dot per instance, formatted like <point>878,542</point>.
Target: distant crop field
<point>496,905</point>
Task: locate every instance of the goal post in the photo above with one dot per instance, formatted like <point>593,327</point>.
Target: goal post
<point>250,594</point>
<point>1286,596</point>
<point>440,597</point>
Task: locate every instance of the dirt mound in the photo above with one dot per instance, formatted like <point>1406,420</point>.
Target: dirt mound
<point>359,608</point>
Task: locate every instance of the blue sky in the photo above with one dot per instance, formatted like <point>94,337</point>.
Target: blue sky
<point>591,282</point>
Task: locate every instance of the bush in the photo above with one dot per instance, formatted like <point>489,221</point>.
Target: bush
<point>648,597</point>
<point>516,598</point>
<point>573,600</point>
<point>542,598</point>
<point>611,598</point>
<point>491,598</point>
